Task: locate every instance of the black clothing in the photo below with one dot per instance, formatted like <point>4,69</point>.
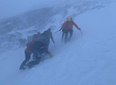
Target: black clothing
<point>65,33</point>
<point>47,35</point>
<point>37,48</point>
<point>36,61</point>
<point>36,37</point>
<point>27,57</point>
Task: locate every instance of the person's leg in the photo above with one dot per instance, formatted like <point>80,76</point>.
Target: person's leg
<point>66,35</point>
<point>63,35</point>
<point>71,32</point>
<point>27,57</point>
<point>35,62</point>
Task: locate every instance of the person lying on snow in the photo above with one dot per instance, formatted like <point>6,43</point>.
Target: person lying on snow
<point>37,48</point>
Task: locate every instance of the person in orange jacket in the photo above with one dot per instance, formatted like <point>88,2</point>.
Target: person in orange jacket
<point>67,27</point>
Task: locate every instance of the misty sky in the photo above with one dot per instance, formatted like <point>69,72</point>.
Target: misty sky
<point>9,8</point>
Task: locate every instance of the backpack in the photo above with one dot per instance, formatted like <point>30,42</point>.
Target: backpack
<point>30,45</point>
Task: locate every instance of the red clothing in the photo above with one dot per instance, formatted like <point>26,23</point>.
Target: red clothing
<point>30,46</point>
<point>69,25</point>
<point>27,50</point>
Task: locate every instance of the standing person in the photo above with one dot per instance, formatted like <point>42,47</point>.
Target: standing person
<point>67,27</point>
<point>47,35</point>
<point>33,47</point>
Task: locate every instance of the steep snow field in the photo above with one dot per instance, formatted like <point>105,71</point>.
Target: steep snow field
<point>88,59</point>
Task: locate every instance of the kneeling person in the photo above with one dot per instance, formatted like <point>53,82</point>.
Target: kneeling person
<point>35,47</point>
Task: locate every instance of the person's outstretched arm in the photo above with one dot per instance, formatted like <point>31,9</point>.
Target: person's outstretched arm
<point>76,25</point>
<point>63,26</point>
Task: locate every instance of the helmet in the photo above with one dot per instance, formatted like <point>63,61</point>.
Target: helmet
<point>38,32</point>
<point>49,29</point>
<point>69,18</point>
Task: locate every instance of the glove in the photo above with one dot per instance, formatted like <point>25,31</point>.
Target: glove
<point>50,55</point>
<point>42,47</point>
<point>79,28</point>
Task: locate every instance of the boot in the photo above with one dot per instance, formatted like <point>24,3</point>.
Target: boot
<point>22,68</point>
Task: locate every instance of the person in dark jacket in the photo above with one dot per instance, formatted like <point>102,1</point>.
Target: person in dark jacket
<point>34,47</point>
<point>67,27</point>
<point>46,36</point>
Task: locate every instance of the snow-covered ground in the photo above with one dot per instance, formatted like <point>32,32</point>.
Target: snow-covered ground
<point>88,59</point>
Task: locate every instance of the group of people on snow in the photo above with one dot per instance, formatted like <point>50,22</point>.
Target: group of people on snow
<point>40,43</point>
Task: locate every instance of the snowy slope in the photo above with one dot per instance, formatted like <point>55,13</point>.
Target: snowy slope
<point>88,59</point>
<point>54,14</point>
